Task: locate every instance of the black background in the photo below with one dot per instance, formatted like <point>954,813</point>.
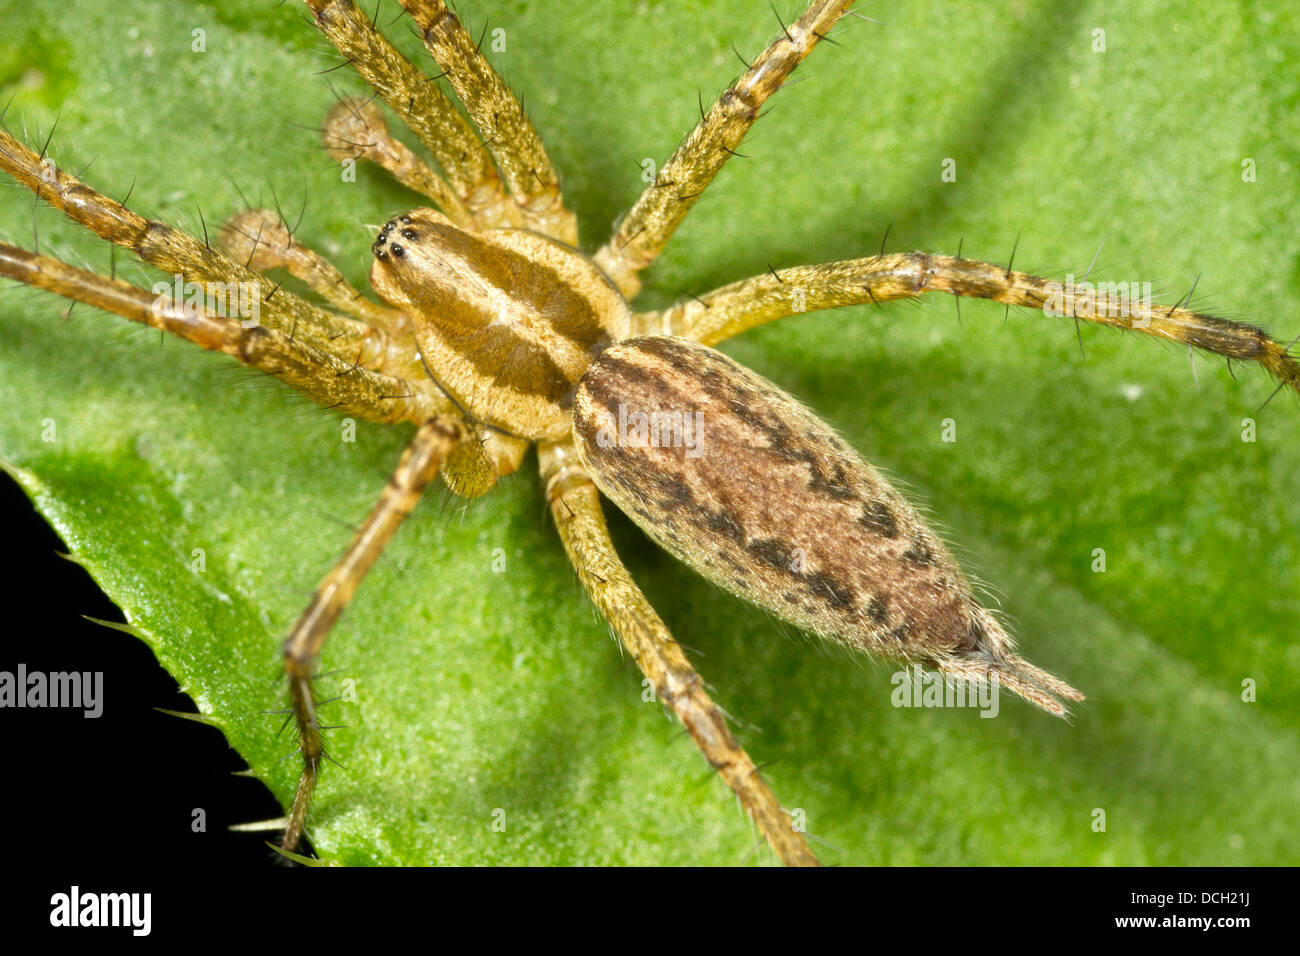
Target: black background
<point>123,785</point>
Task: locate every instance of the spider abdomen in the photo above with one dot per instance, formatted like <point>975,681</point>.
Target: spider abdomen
<point>737,479</point>
<point>740,481</point>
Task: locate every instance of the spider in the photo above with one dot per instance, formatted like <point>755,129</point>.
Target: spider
<point>398,225</point>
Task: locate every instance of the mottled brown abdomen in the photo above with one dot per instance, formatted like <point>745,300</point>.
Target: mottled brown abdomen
<point>740,481</point>
<point>744,484</point>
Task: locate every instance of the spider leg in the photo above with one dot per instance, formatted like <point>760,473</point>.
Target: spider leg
<point>575,505</point>
<point>259,239</point>
<point>433,443</point>
<point>323,377</point>
<point>180,254</point>
<point>507,131</point>
<point>422,105</point>
<point>742,305</point>
<point>646,228</point>
<point>355,128</point>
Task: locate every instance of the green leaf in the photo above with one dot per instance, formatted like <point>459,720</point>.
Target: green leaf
<point>479,692</point>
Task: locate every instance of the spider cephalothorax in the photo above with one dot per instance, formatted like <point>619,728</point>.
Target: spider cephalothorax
<point>506,320</point>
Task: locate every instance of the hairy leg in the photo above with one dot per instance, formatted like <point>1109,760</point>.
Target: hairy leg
<point>260,240</point>
<point>355,128</point>
<point>321,376</point>
<point>646,228</point>
<point>734,308</point>
<point>507,132</point>
<point>417,99</point>
<point>575,505</point>
<point>180,254</point>
<point>433,444</point>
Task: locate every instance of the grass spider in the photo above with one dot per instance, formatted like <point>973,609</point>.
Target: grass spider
<point>1034,361</point>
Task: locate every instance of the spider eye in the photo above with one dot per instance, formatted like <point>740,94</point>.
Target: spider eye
<point>406,264</point>
<point>382,246</point>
